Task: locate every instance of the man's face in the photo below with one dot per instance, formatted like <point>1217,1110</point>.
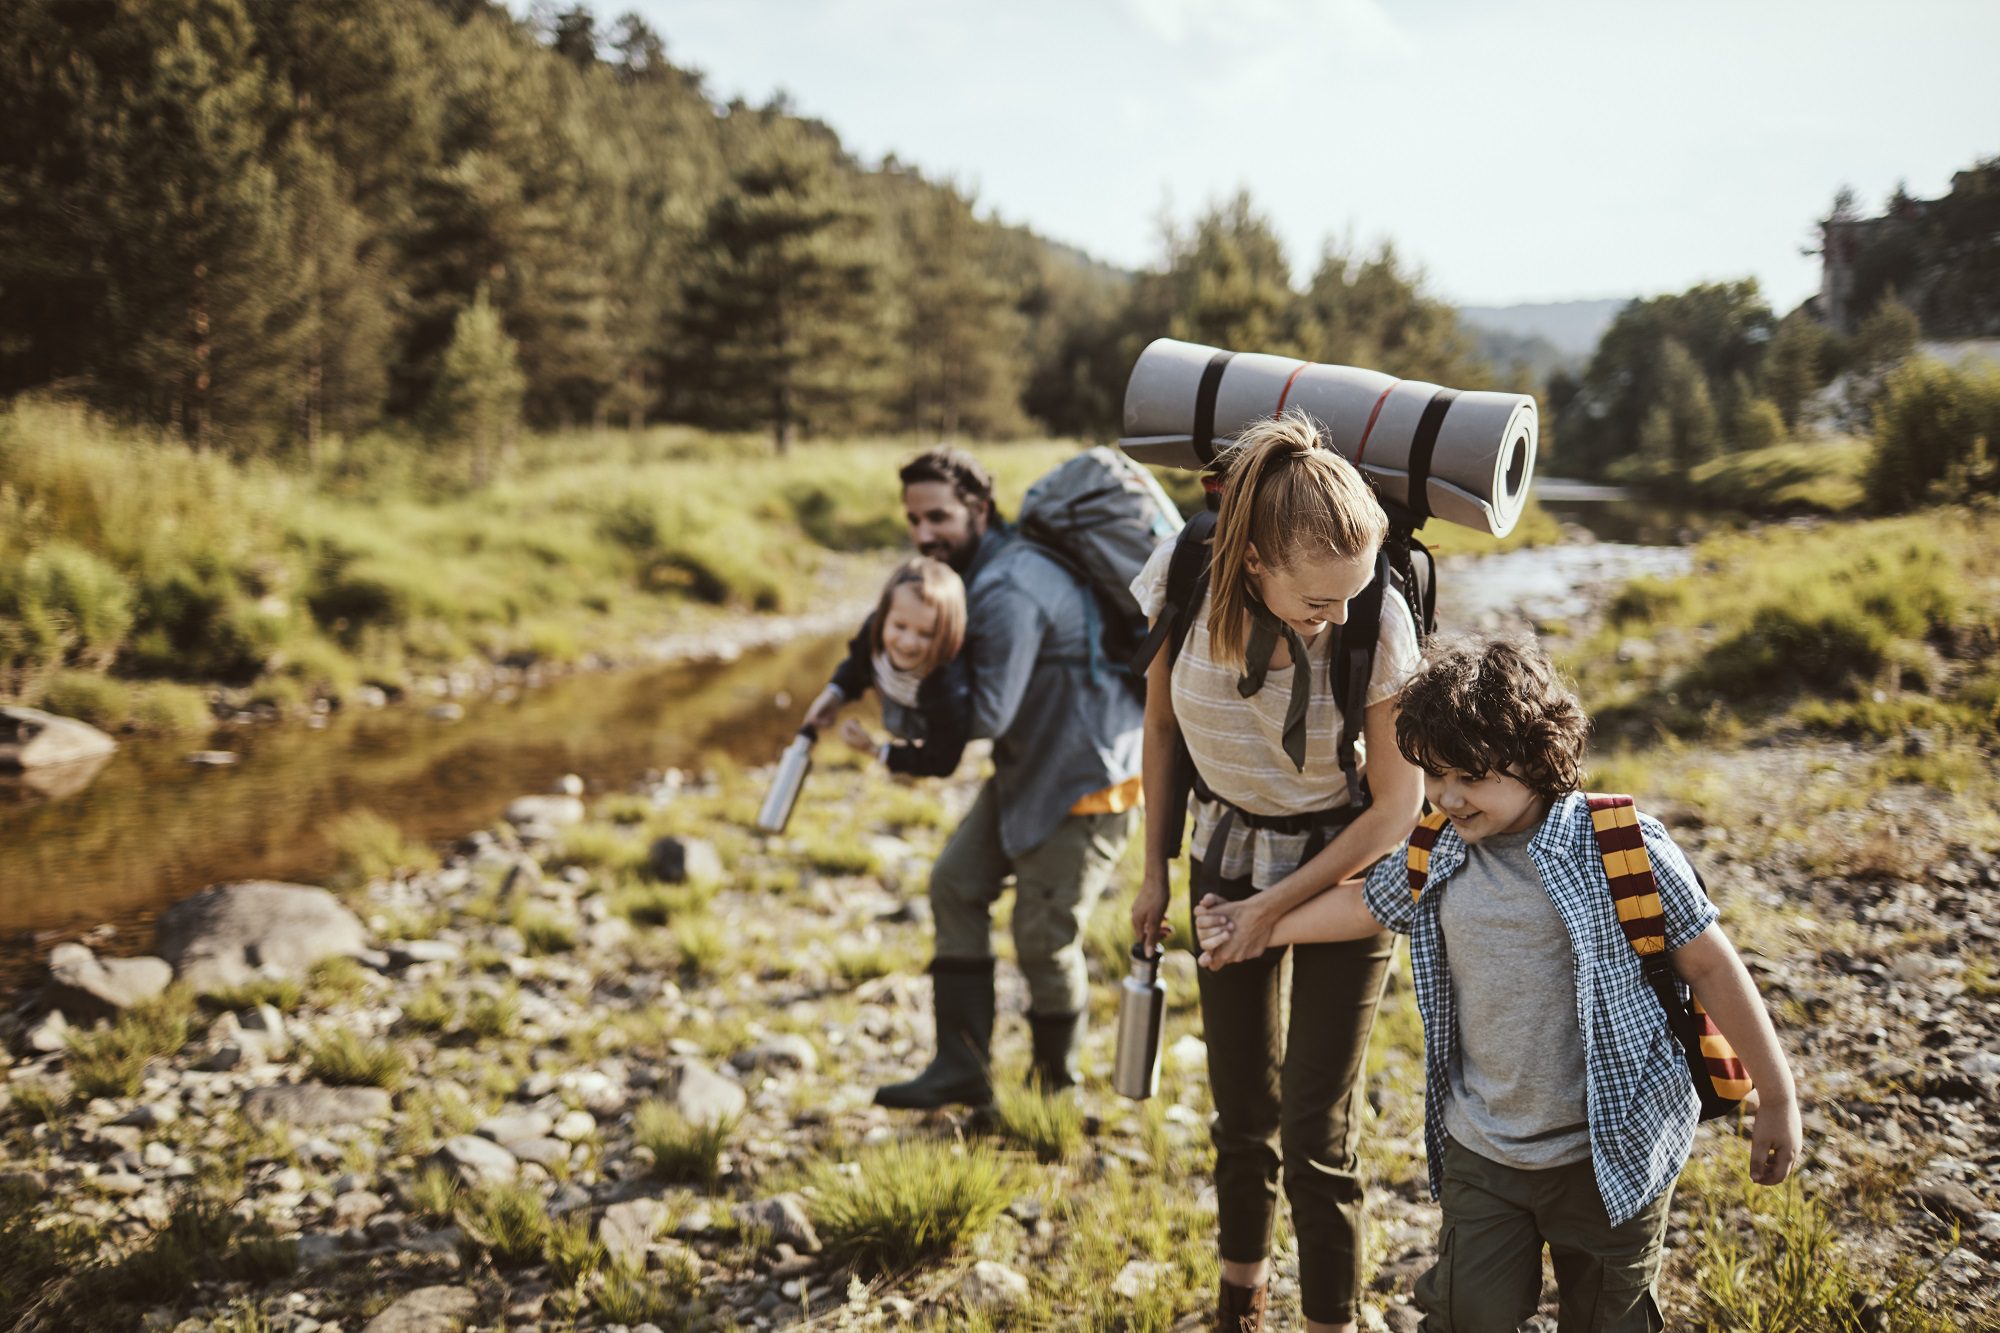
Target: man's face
<point>943,526</point>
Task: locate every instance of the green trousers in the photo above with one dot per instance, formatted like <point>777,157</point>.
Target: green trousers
<point>1488,1275</point>
<point>1287,1092</point>
<point>1055,886</point>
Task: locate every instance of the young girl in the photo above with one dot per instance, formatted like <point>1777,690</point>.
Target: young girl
<point>908,649</point>
<point>1278,819</point>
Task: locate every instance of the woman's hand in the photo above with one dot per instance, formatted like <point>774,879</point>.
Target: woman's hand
<point>1149,912</point>
<point>857,735</point>
<point>1242,931</point>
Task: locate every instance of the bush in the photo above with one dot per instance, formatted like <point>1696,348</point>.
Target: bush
<point>684,1150</point>
<point>68,607</point>
<point>908,1203</point>
<point>1935,429</point>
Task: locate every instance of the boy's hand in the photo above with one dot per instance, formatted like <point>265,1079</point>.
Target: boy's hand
<point>1775,1137</point>
<point>1213,927</point>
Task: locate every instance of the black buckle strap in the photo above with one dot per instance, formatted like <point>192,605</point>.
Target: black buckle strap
<point>1422,446</point>
<point>1203,432</point>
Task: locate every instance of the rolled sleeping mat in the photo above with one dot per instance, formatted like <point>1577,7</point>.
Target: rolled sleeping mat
<point>1465,457</point>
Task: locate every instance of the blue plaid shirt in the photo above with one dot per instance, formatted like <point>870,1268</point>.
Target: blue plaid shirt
<point>1639,1100</point>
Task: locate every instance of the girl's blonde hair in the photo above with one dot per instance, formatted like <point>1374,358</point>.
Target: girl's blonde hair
<point>1294,498</point>
<point>938,585</point>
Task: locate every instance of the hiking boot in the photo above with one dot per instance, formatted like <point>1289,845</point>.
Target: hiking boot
<point>1058,1041</point>
<point>962,994</point>
<point>1241,1309</point>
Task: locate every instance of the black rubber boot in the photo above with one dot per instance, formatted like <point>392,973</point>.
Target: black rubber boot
<point>962,993</point>
<point>1058,1040</point>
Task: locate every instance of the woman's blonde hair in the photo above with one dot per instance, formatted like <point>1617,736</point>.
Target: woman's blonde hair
<point>1286,492</point>
<point>938,585</point>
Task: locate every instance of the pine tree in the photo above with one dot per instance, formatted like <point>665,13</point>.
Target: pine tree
<point>477,400</point>
<point>961,354</point>
<point>1371,312</point>
<point>1228,283</point>
<point>782,322</point>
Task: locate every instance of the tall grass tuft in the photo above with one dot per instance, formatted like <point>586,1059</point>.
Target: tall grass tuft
<point>341,1057</point>
<point>510,1222</point>
<point>111,1061</point>
<point>1049,1125</point>
<point>684,1151</point>
<point>372,847</point>
<point>909,1203</point>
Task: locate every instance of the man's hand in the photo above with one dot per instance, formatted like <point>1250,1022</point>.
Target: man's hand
<point>825,709</point>
<point>1149,912</point>
<point>1775,1137</point>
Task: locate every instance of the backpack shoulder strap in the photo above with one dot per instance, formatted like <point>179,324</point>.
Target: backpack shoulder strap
<point>1636,894</point>
<point>1187,581</point>
<point>1417,854</point>
<point>1350,665</point>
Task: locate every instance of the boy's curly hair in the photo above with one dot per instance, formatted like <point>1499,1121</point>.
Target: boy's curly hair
<point>1494,706</point>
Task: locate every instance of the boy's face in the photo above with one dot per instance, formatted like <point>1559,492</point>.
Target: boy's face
<point>1480,807</point>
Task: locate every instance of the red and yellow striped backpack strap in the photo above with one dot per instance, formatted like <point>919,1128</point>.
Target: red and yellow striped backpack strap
<point>1615,820</point>
<point>1635,891</point>
<point>1418,856</point>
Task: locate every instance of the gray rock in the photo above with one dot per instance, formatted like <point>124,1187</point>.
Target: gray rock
<point>152,1115</point>
<point>543,1152</point>
<point>405,953</point>
<point>477,1162</point>
<point>229,934</point>
<point>576,1126</point>
<point>314,1104</point>
<point>784,1215</point>
<point>85,986</point>
<point>120,1182</point>
<point>700,1094</point>
<point>684,861</point>
<point>356,1207</point>
<point>524,879</point>
<point>427,1310</point>
<point>546,811</point>
<point>50,1035</point>
<point>30,738</point>
<point>992,1287</point>
<point>1949,1200</point>
<point>628,1229</point>
<point>514,1126</point>
<point>1138,1277</point>
<point>789,1051</point>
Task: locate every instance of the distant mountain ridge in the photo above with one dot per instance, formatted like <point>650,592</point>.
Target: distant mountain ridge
<point>1572,328</point>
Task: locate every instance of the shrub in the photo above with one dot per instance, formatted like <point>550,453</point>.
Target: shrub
<point>68,606</point>
<point>1929,425</point>
<point>340,1057</point>
<point>908,1203</point>
<point>686,1151</point>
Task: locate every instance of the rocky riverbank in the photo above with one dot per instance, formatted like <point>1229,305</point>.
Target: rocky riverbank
<point>609,1065</point>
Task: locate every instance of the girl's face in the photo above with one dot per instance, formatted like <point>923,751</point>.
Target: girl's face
<point>1311,593</point>
<point>909,630</point>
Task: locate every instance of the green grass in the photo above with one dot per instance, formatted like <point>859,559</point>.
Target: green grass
<point>684,1151</point>
<point>1810,477</point>
<point>908,1203</point>
<point>510,1222</point>
<point>128,548</point>
<point>1049,1125</point>
<point>434,1194</point>
<point>492,1014</point>
<point>281,993</point>
<point>111,1061</point>
<point>545,931</point>
<point>573,1254</point>
<point>342,1058</point>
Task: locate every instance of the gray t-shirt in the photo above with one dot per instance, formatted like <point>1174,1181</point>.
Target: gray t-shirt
<point>1517,1070</point>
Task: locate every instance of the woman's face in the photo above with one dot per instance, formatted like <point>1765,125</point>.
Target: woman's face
<point>909,629</point>
<point>1312,592</point>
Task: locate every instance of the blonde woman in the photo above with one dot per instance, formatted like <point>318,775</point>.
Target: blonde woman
<point>1291,794</point>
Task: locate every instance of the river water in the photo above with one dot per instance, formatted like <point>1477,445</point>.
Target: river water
<point>152,828</point>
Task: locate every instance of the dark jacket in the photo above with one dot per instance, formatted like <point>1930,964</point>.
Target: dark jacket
<point>942,719</point>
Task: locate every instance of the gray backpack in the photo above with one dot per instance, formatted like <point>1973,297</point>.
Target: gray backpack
<point>1101,516</point>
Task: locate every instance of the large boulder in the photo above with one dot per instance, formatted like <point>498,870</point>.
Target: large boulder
<point>30,738</point>
<point>702,1096</point>
<point>231,933</point>
<point>86,987</point>
<point>427,1310</point>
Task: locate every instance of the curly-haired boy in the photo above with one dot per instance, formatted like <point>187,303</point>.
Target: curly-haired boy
<point>1558,1108</point>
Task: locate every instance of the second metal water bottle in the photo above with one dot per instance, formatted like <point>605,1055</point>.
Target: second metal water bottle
<point>1142,1008</point>
<point>796,762</point>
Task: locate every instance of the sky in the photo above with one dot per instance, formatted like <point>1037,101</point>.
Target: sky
<point>1516,150</point>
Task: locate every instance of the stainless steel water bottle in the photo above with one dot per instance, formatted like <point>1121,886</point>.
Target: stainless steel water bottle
<point>1142,1008</point>
<point>793,766</point>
